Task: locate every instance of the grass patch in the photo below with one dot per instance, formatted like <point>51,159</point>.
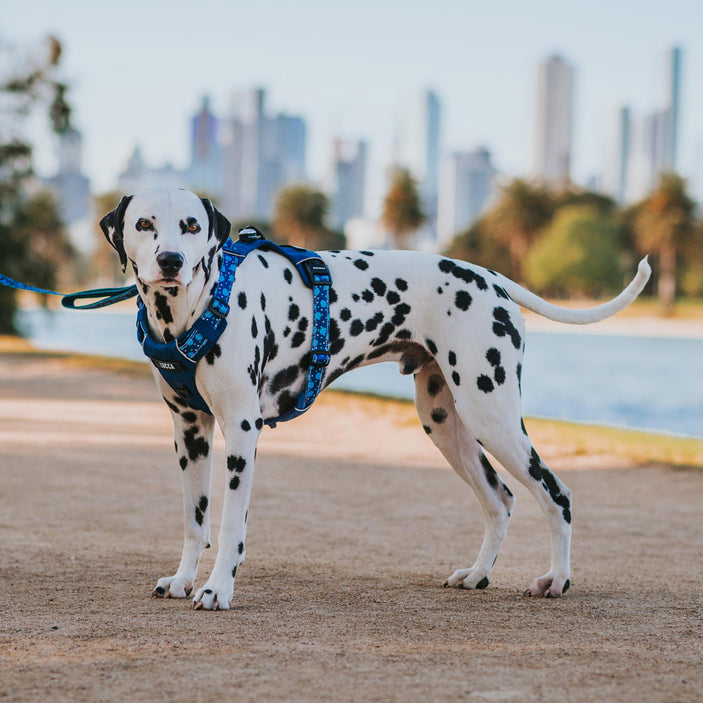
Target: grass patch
<point>638,446</point>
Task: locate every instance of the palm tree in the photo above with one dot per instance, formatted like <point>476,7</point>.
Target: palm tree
<point>299,218</point>
<point>402,212</point>
<point>522,211</point>
<point>662,223</point>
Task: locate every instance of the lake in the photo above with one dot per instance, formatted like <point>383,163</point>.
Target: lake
<point>647,383</point>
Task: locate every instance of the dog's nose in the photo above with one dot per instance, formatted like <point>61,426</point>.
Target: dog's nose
<point>170,262</point>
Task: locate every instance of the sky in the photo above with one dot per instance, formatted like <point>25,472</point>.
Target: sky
<point>138,70</point>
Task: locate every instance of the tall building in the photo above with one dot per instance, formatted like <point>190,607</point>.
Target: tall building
<point>204,171</point>
<point>137,176</point>
<point>468,183</point>
<point>553,120</point>
<point>419,149</point>
<point>656,136</point>
<point>72,190</point>
<point>615,177</point>
<point>348,181</point>
<point>260,155</point>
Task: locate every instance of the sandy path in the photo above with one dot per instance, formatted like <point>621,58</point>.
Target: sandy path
<point>354,523</point>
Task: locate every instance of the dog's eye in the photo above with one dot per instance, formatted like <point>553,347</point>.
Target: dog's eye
<point>144,224</point>
<point>194,228</point>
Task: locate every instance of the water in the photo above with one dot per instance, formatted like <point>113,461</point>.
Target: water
<point>645,383</point>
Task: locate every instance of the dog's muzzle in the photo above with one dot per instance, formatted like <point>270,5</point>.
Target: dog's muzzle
<point>170,263</point>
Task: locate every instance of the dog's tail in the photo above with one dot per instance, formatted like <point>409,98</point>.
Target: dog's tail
<point>580,317</point>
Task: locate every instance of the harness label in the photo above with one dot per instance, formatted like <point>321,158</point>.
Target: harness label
<point>167,365</point>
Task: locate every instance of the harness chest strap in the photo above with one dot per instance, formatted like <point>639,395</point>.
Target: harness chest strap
<point>177,360</point>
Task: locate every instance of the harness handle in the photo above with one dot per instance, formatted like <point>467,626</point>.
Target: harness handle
<point>102,297</point>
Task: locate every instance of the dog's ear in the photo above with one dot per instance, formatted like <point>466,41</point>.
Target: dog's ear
<point>219,225</point>
<point>112,226</point>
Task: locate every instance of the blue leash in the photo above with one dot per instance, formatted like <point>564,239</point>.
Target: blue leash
<point>102,296</point>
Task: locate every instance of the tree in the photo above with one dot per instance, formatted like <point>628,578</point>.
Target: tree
<point>522,211</point>
<point>402,212</point>
<point>662,224</point>
<point>579,254</point>
<point>299,218</point>
<point>28,223</point>
<point>476,245</point>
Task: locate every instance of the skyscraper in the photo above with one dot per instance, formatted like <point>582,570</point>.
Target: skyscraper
<point>419,149</point>
<point>615,177</point>
<point>204,172</point>
<point>553,120</point>
<point>348,184</point>
<point>466,189</point>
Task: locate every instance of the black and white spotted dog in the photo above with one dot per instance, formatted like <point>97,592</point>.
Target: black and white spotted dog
<point>457,328</point>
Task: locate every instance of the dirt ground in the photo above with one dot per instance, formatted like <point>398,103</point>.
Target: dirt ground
<point>355,521</point>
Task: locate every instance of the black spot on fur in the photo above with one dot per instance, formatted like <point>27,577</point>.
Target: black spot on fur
<point>404,334</point>
<point>288,275</point>
<point>240,547</point>
<point>392,297</point>
<point>263,302</point>
<point>379,287</point>
<point>242,300</point>
<point>399,313</point>
<point>431,346</point>
<point>183,462</point>
<point>168,337</point>
<point>297,339</point>
<point>214,353</point>
<point>234,571</point>
<point>263,261</point>
<point>401,284</point>
<point>195,446</point>
<point>485,384</point>
<point>483,583</point>
<point>163,311</point>
<point>439,415</point>
<point>504,326</point>
<point>236,463</point>
<point>200,510</point>
<point>367,296</point>
<point>172,407</point>
<point>519,377</point>
<point>345,314</point>
<point>234,482</point>
<point>283,379</point>
<point>539,472</point>
<point>374,322</point>
<point>293,312</point>
<point>361,264</point>
<point>259,423</point>
<point>435,383</point>
<point>366,253</point>
<point>500,292</point>
<point>456,378</point>
<point>451,357</point>
<point>286,402</point>
<point>254,328</point>
<point>190,416</point>
<point>489,471</point>
<point>356,328</point>
<point>245,425</point>
<point>427,428</point>
<point>462,300</point>
<point>336,339</point>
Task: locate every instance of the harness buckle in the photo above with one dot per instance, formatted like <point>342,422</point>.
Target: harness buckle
<point>218,308</point>
<point>249,234</point>
<point>319,357</point>
<point>318,272</point>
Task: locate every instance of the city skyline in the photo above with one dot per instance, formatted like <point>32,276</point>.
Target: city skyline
<point>350,75</point>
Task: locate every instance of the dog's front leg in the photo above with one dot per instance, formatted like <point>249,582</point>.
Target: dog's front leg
<point>241,437</point>
<point>193,432</point>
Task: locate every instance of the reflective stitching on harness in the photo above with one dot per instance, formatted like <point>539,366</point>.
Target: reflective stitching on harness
<point>177,360</point>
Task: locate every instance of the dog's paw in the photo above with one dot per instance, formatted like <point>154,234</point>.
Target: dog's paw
<point>214,596</point>
<point>173,587</point>
<point>474,579</point>
<point>549,586</point>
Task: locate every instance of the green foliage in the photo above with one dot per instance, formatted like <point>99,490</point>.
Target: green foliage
<point>478,246</point>
<point>32,241</point>
<point>402,211</point>
<point>299,218</point>
<point>578,255</point>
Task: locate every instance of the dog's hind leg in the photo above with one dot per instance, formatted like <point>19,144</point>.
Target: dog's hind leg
<point>435,406</point>
<point>193,432</point>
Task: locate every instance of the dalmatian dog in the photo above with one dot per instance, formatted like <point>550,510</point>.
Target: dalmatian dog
<point>457,328</point>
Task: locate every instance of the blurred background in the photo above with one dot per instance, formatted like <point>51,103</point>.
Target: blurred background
<point>557,142</point>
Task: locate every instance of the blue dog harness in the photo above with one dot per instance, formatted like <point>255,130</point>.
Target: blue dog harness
<point>178,359</point>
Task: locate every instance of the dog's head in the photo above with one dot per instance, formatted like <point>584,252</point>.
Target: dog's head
<point>166,233</point>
